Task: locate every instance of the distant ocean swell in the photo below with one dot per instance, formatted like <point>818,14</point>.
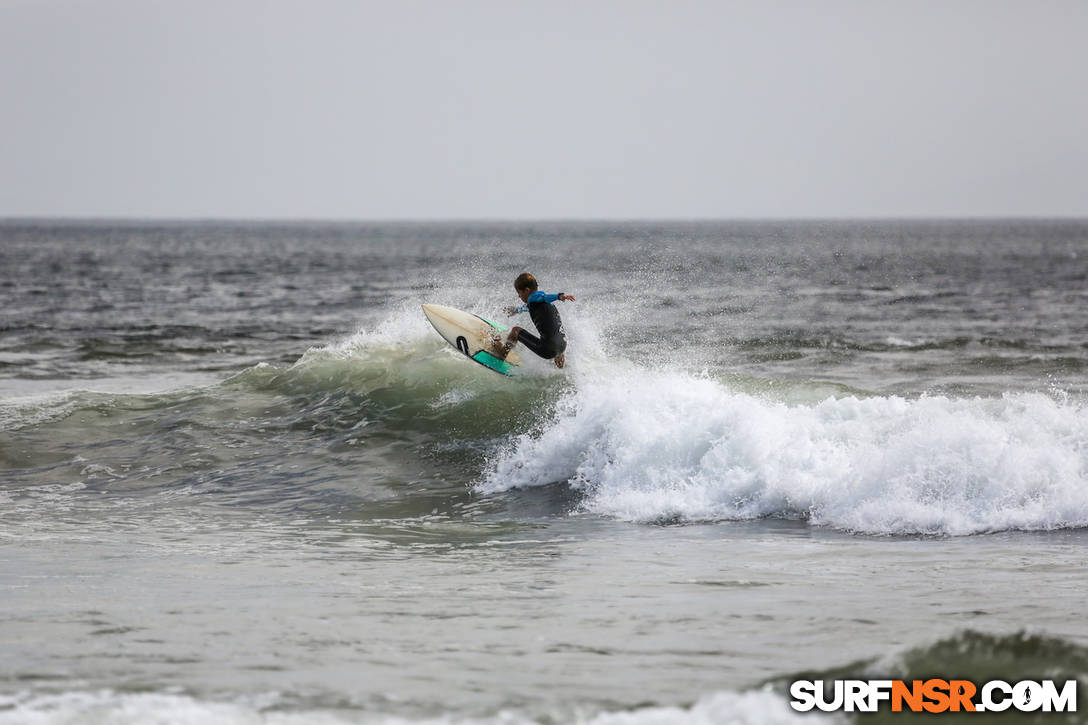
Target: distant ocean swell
<point>985,656</point>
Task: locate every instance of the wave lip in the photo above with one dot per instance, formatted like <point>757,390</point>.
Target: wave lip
<point>654,446</point>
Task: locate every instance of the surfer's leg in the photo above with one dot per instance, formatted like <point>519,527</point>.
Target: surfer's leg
<point>536,345</point>
<point>561,358</point>
<point>548,349</point>
<point>501,349</point>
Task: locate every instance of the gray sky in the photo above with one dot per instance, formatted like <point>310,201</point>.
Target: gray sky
<point>526,109</point>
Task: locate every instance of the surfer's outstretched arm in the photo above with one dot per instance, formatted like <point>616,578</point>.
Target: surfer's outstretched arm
<point>538,296</point>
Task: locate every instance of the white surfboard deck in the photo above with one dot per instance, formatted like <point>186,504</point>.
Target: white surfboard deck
<point>472,335</point>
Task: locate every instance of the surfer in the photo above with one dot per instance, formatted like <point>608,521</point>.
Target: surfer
<point>552,342</point>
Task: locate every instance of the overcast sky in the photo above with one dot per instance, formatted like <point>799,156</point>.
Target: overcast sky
<point>550,109</point>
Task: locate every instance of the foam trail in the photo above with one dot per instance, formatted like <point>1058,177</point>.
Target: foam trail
<point>651,446</point>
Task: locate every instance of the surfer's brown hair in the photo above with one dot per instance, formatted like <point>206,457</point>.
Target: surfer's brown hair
<point>525,281</point>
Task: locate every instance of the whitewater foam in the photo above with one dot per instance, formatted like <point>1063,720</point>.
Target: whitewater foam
<point>759,707</point>
<point>650,446</point>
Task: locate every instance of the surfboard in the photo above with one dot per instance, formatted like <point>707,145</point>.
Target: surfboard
<point>470,334</point>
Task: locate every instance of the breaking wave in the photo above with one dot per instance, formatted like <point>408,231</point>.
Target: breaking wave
<point>653,446</point>
<point>638,442</point>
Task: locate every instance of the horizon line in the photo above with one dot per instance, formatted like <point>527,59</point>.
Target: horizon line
<point>7,219</point>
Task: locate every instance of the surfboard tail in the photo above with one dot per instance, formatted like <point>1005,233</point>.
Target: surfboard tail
<point>495,363</point>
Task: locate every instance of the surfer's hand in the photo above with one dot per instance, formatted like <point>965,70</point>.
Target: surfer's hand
<point>565,297</point>
<point>510,310</point>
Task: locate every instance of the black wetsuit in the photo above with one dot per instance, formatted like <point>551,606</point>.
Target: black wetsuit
<point>552,341</point>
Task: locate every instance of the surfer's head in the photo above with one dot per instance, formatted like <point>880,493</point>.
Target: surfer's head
<point>525,285</point>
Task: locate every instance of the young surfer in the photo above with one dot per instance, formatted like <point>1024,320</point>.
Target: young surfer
<point>552,342</point>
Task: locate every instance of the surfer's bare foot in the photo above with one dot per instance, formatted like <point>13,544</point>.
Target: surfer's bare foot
<point>560,360</point>
<point>501,348</point>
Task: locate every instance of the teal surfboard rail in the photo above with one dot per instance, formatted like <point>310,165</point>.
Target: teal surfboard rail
<point>496,325</point>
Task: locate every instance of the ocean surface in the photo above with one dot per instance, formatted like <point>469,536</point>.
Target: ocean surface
<point>243,481</point>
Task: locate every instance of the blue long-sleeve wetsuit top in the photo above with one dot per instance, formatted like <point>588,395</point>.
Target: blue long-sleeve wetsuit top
<point>545,316</point>
<point>537,296</point>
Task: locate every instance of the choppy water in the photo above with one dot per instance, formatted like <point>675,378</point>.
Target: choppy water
<point>241,479</point>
